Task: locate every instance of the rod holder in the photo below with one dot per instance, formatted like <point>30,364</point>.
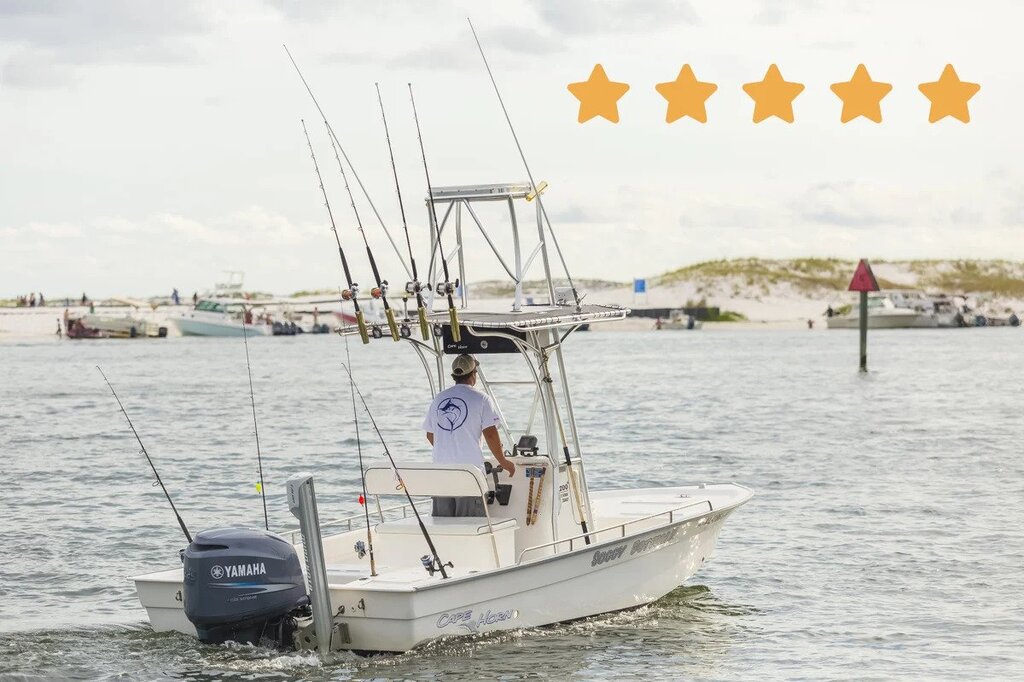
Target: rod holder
<point>392,325</point>
<point>361,323</point>
<point>453,318</point>
<point>424,325</point>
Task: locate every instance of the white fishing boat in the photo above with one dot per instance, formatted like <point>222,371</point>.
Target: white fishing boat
<point>884,313</point>
<point>219,317</point>
<point>547,549</point>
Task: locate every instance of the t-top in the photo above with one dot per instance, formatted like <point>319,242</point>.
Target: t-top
<point>457,417</point>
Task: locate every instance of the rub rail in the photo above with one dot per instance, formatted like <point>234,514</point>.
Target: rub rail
<point>621,526</point>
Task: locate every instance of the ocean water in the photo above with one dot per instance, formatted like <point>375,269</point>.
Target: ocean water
<point>885,540</point>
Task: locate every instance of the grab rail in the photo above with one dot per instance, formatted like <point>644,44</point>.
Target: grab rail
<point>622,526</point>
<point>405,508</point>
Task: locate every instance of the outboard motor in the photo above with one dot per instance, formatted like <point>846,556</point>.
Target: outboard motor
<point>243,585</point>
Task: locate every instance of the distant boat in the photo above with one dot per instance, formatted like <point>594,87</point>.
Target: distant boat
<point>678,319</point>
<point>213,317</point>
<point>884,313</point>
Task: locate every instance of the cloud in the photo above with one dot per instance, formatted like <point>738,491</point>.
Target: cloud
<point>589,17</point>
<point>521,40</point>
<point>847,204</point>
<point>51,40</point>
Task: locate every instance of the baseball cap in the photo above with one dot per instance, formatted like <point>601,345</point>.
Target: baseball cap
<point>464,365</point>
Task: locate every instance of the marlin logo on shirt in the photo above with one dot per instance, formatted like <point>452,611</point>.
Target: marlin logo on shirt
<point>451,414</point>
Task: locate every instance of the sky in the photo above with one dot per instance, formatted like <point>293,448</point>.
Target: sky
<point>146,145</point>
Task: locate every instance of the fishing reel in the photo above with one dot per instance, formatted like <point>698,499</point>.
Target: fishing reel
<point>438,330</point>
<point>447,288</point>
<point>382,290</point>
<point>413,287</point>
<point>376,332</point>
<point>433,565</point>
<point>404,331</point>
<point>350,293</point>
<point>360,548</point>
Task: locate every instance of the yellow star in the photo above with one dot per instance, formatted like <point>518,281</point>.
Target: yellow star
<point>598,96</point>
<point>686,96</point>
<point>949,96</point>
<point>773,96</point>
<point>861,96</point>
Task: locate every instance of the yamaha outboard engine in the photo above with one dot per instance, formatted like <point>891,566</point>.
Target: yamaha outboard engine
<point>243,585</point>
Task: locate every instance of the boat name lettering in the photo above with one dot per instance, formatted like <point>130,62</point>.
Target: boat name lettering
<point>465,619</point>
<point>237,570</point>
<point>603,556</point>
<point>654,541</point>
<point>712,518</point>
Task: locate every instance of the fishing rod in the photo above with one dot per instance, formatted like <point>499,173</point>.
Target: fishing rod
<point>381,290</point>
<point>334,137</point>
<point>446,287</point>
<point>412,287</point>
<point>546,378</point>
<point>362,471</point>
<point>535,190</point>
<point>438,564</point>
<point>255,426</point>
<point>184,529</point>
<point>351,293</point>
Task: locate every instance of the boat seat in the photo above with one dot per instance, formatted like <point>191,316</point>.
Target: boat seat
<point>445,525</point>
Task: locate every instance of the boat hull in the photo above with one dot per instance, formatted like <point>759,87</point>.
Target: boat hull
<point>910,321</point>
<point>622,569</point>
<point>605,577</point>
<point>193,327</point>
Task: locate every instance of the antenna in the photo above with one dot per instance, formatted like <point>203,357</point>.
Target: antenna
<point>533,185</point>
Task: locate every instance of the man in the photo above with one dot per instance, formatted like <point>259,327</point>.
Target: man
<point>455,421</point>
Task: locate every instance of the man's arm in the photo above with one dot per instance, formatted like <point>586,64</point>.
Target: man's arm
<point>430,437</point>
<point>494,443</point>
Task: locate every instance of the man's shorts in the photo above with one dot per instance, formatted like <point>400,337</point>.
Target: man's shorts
<point>458,506</point>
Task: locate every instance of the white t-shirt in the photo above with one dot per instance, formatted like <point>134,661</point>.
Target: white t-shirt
<point>457,417</point>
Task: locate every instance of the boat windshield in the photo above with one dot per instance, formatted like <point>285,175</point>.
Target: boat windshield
<point>211,306</point>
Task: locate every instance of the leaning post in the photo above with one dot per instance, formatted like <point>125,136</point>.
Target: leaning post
<point>863,281</point>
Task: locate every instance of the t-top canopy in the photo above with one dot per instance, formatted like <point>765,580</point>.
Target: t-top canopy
<point>546,316</point>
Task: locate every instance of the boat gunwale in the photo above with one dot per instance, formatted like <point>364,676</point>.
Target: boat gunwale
<point>358,584</point>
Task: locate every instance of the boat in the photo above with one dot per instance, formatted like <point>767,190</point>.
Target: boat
<point>885,313</point>
<point>547,548</point>
<point>111,326</point>
<point>221,317</point>
<point>678,319</point>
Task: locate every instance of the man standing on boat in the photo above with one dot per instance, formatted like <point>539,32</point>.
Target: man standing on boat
<point>455,422</point>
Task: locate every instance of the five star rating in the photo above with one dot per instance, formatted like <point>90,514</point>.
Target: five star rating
<point>773,96</point>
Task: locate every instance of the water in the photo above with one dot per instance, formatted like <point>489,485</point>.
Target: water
<point>884,541</point>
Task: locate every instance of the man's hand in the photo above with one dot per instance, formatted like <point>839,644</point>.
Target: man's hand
<point>507,466</point>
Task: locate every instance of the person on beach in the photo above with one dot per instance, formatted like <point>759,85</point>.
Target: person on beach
<point>42,301</point>
<point>829,312</point>
<point>195,298</point>
<point>32,300</point>
<point>455,421</point>
<point>85,299</point>
<point>67,318</point>
<point>175,297</point>
<point>60,331</point>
